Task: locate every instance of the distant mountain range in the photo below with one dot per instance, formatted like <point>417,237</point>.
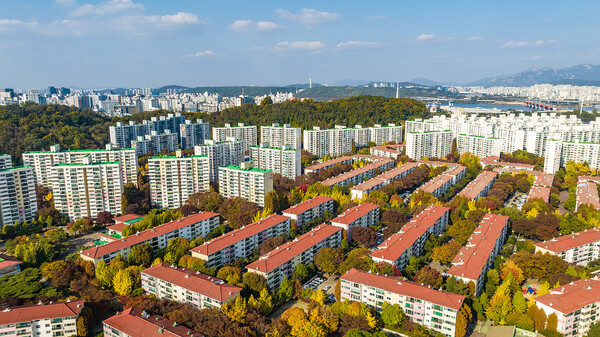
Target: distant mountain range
<point>583,74</point>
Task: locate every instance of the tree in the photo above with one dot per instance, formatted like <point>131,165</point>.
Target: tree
<point>500,305</point>
<point>364,236</point>
<point>264,303</point>
<point>362,333</point>
<point>286,290</point>
<point>104,218</point>
<point>463,318</point>
<point>236,310</point>
<point>50,269</point>
<point>270,244</point>
<point>176,248</point>
<point>300,273</point>
<point>594,330</point>
<point>272,201</point>
<point>328,260</point>
<point>254,282</point>
<point>140,255</point>
<point>319,297</point>
<point>337,290</point>
<point>230,274</point>
<point>82,326</point>
<point>552,322</point>
<point>188,209</point>
<point>123,282</point>
<point>429,276</point>
<point>392,315</point>
<point>446,252</point>
<point>519,302</point>
<point>105,274</point>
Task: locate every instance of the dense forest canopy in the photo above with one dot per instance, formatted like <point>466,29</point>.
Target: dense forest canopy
<point>36,127</point>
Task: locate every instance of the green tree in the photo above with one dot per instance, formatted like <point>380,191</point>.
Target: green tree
<point>230,274</point>
<point>392,315</point>
<point>552,322</point>
<point>500,305</point>
<point>254,282</point>
<point>328,260</point>
<point>236,310</point>
<point>105,274</point>
<point>594,330</point>
<point>286,290</point>
<point>519,302</point>
<point>140,255</point>
<point>50,269</point>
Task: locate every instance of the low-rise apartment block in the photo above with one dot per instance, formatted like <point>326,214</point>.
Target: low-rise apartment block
<point>18,201</point>
<point>281,262</point>
<point>241,242</point>
<point>342,160</point>
<point>435,309</point>
<point>495,161</point>
<point>9,265</point>
<point>281,160</point>
<point>428,144</point>
<point>539,192</point>
<point>586,193</point>
<point>477,257</point>
<point>41,161</point>
<point>480,186</point>
<point>364,215</point>
<point>577,248</point>
<point>229,152</point>
<point>440,184</point>
<point>174,178</point>
<point>373,184</point>
<point>247,133</point>
<point>192,134</point>
<point>359,175</point>
<point>191,227</point>
<point>280,136</point>
<point>575,305</point>
<point>44,320</point>
<point>411,238</point>
<point>244,181</point>
<point>86,189</point>
<point>309,210</point>
<point>133,322</point>
<point>187,286</point>
<point>390,151</point>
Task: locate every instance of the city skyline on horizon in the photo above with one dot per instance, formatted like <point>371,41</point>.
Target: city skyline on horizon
<point>127,43</point>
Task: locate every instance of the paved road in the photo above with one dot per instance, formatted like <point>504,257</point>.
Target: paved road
<point>74,242</point>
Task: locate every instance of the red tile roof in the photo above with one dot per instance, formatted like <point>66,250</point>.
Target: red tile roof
<point>538,192</point>
<point>328,163</point>
<point>127,217</point>
<point>566,242</point>
<point>344,176</point>
<point>438,163</point>
<point>117,227</point>
<point>354,213</point>
<point>394,148</point>
<point>28,313</point>
<point>132,240</point>
<point>406,288</point>
<point>132,323</point>
<point>589,178</point>
<point>544,180</point>
<point>289,250</point>
<point>240,234</point>
<point>573,296</point>
<point>369,184</point>
<point>471,259</point>
<point>587,194</point>
<point>8,261</point>
<point>475,187</point>
<point>495,160</point>
<point>306,205</point>
<point>393,173</point>
<point>435,183</point>
<point>194,281</point>
<point>392,248</point>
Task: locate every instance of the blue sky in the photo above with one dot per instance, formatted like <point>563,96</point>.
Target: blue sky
<point>135,43</point>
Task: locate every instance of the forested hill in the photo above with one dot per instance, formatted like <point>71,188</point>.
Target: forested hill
<point>36,127</point>
<point>362,110</point>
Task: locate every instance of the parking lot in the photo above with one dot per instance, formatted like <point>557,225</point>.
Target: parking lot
<point>517,200</point>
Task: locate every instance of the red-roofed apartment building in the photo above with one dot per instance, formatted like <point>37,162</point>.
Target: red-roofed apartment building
<point>539,192</point>
<point>575,305</point>
<point>187,286</point>
<point>440,184</point>
<point>587,194</point>
<point>578,248</point>
<point>358,175</point>
<point>191,227</point>
<point>309,210</point>
<point>48,320</point>
<point>390,151</point>
<point>381,180</point>
<point>9,265</point>
<point>480,186</point>
<point>134,322</point>
<point>281,262</point>
<point>364,215</point>
<point>241,242</point>
<point>411,238</point>
<point>474,260</point>
<point>435,309</point>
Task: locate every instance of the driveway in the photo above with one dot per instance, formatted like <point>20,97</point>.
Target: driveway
<point>75,241</point>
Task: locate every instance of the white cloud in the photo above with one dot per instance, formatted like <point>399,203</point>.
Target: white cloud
<point>11,24</point>
<point>249,26</point>
<point>359,44</point>
<point>201,53</point>
<point>377,17</point>
<point>299,45</point>
<point>475,38</point>
<point>150,24</point>
<point>425,37</point>
<point>108,7</point>
<point>65,2</point>
<point>517,44</point>
<point>309,17</point>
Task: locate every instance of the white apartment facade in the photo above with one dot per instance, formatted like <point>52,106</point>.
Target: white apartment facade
<point>309,210</point>
<point>478,145</point>
<point>173,179</point>
<point>228,152</point>
<point>578,248</point>
<point>86,189</point>
<point>5,161</point>
<point>18,201</point>
<point>244,181</point>
<point>192,134</point>
<point>41,161</point>
<point>332,142</point>
<point>240,243</point>
<point>122,134</point>
<point>156,143</point>
<point>364,215</point>
<point>428,144</point>
<point>243,132</point>
<point>44,320</point>
<point>281,160</point>
<point>280,136</point>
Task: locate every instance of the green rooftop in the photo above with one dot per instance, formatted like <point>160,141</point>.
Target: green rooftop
<point>82,164</point>
<point>14,168</point>
<point>87,150</point>
<point>252,169</point>
<point>175,157</point>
